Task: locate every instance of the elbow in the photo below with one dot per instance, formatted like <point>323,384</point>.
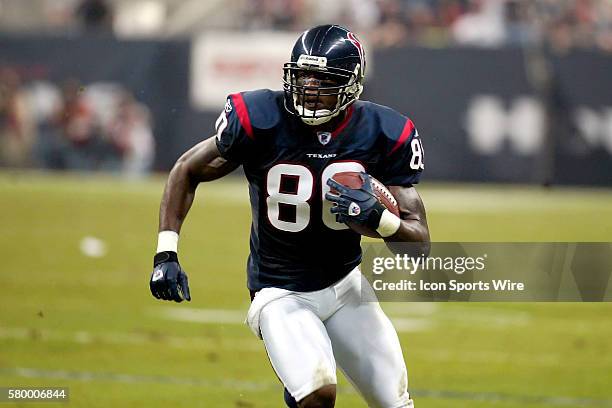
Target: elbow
<point>423,239</point>
<point>181,173</point>
<point>426,247</point>
<point>180,167</point>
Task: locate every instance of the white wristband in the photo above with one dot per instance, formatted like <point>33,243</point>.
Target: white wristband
<point>167,241</point>
<point>389,224</point>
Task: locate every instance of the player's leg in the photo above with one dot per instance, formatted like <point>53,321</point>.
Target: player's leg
<point>367,349</point>
<point>324,396</point>
<point>289,400</point>
<point>300,351</point>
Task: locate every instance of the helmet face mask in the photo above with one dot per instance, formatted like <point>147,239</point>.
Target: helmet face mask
<point>325,74</point>
<point>310,101</point>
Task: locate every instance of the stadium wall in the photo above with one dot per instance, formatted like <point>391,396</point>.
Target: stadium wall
<point>503,115</point>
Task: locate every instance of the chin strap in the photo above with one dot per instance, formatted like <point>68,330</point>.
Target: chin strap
<point>323,115</point>
<point>318,116</point>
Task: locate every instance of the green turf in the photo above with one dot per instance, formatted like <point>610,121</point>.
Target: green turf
<point>90,323</point>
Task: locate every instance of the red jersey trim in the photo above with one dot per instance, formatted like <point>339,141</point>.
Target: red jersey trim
<point>406,132</point>
<point>243,114</point>
<point>344,122</point>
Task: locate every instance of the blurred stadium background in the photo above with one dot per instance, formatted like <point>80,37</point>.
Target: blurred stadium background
<point>99,98</point>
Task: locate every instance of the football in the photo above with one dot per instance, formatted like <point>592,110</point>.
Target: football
<point>352,179</point>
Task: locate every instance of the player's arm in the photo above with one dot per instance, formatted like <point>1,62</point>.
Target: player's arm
<point>201,163</point>
<point>413,219</point>
<point>362,206</point>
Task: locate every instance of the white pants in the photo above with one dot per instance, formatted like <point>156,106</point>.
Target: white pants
<point>305,333</point>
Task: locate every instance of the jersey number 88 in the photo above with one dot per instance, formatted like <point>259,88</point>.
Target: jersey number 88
<point>300,197</point>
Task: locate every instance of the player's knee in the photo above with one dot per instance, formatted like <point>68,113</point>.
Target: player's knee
<point>324,397</point>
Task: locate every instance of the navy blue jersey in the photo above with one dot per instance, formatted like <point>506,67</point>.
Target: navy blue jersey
<point>296,243</point>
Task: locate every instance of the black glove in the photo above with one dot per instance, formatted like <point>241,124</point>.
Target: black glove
<point>168,280</point>
<point>357,205</point>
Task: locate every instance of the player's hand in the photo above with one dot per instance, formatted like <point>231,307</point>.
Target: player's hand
<point>168,280</point>
<point>356,205</point>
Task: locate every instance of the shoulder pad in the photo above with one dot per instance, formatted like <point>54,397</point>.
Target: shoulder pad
<point>263,107</point>
<point>396,129</point>
<point>391,122</point>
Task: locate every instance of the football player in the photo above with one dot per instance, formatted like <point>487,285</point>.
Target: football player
<point>303,267</point>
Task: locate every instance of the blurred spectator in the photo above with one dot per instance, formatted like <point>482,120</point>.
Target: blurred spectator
<point>131,136</point>
<point>603,25</point>
<point>449,11</point>
<point>16,135</point>
<point>95,15</point>
<point>561,24</point>
<point>275,14</point>
<point>46,103</point>
<point>560,35</point>
<point>360,15</point>
<point>392,29</point>
<point>482,25</point>
<point>60,14</point>
<point>519,31</point>
<point>99,127</point>
<point>77,123</point>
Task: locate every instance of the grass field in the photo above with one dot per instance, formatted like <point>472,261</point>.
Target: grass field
<point>89,323</point>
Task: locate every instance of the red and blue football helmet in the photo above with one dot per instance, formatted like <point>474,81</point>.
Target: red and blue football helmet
<point>337,58</point>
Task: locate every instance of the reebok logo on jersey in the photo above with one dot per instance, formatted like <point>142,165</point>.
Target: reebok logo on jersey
<point>354,209</point>
<point>157,275</point>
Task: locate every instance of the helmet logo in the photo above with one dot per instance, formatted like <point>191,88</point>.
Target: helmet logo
<point>324,137</point>
<point>306,61</point>
<point>355,41</point>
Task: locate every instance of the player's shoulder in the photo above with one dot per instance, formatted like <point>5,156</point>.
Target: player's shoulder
<point>261,108</point>
<point>388,122</point>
